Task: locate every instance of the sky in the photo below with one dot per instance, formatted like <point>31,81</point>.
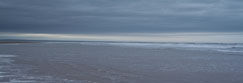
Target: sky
<point>123,20</point>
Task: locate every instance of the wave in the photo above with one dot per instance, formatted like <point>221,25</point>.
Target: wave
<point>222,47</point>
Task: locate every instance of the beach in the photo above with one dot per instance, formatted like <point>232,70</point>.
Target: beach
<point>92,62</point>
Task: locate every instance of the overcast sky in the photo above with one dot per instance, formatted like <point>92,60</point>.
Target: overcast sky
<point>120,16</point>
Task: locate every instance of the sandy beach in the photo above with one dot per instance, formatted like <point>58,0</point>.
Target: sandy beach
<point>85,63</point>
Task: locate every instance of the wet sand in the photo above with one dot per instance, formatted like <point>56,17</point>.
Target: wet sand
<point>79,63</point>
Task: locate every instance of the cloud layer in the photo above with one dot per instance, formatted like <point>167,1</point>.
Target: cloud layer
<point>218,37</point>
<point>119,16</point>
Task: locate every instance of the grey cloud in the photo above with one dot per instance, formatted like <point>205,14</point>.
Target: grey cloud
<point>106,16</point>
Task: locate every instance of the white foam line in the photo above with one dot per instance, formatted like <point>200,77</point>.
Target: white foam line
<point>5,56</point>
<point>2,76</point>
<point>7,76</point>
<point>230,51</point>
<point>3,72</point>
<point>21,81</point>
<point>10,44</point>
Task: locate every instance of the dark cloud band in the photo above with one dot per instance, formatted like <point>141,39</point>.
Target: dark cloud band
<point>109,16</point>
